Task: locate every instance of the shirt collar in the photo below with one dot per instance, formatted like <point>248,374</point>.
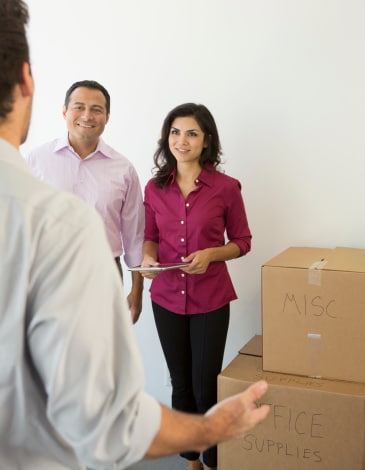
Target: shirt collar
<point>206,176</point>
<point>102,148</point>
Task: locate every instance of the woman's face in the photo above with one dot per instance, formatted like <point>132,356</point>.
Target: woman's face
<point>186,140</point>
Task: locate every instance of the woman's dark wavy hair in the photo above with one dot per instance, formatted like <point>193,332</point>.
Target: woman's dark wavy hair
<point>14,50</point>
<point>163,159</point>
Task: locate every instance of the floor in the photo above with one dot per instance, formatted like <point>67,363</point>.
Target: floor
<point>165,463</point>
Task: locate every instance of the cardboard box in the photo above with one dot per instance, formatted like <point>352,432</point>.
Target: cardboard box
<point>313,313</point>
<point>313,423</point>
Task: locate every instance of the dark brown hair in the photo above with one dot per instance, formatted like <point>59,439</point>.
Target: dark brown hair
<point>14,50</point>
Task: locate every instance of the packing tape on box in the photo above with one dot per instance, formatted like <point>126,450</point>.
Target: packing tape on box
<point>314,354</point>
<point>315,272</point>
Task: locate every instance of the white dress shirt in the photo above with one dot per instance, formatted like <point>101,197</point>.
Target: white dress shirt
<point>71,377</point>
<point>107,181</point>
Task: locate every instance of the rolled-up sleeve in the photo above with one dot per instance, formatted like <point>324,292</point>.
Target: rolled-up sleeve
<point>151,232</point>
<point>237,227</point>
<point>132,221</point>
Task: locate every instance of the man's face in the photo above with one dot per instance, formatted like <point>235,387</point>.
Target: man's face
<point>86,115</point>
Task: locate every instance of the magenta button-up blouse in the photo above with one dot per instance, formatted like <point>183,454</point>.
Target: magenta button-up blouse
<point>181,226</point>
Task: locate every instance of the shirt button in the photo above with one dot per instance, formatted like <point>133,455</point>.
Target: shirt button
<point>182,222</point>
<point>183,292</point>
<point>196,181</point>
<point>182,274</point>
<point>182,257</point>
<point>187,204</point>
<point>183,239</point>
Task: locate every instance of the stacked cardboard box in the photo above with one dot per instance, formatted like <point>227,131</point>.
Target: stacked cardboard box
<point>313,314</point>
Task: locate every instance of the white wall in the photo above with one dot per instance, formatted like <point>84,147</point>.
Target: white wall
<point>285,82</point>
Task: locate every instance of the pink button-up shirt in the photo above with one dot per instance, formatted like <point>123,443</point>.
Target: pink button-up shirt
<point>180,226</point>
<point>107,181</point>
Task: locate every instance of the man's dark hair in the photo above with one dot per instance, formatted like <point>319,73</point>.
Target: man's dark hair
<point>88,84</point>
<point>14,50</point>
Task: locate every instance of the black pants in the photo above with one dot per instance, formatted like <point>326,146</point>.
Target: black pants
<point>193,346</point>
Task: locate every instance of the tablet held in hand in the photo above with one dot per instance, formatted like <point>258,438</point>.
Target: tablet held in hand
<point>160,267</point>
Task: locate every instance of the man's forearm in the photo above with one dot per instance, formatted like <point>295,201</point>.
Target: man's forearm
<point>229,419</point>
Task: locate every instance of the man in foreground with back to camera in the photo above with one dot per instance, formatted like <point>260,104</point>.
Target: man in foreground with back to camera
<point>67,403</point>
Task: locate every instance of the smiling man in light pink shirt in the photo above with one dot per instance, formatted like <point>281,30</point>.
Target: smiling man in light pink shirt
<point>83,164</point>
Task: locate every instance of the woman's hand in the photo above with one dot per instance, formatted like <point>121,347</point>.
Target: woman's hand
<point>199,262</point>
<point>146,263</point>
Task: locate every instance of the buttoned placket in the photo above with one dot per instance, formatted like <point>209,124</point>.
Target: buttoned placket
<point>80,178</point>
<point>182,243</point>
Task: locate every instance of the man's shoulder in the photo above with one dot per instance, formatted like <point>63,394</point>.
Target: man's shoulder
<point>45,148</point>
<point>58,204</point>
<point>114,154</point>
<point>64,216</point>
<point>69,210</point>
<point>32,199</point>
<point>120,165</point>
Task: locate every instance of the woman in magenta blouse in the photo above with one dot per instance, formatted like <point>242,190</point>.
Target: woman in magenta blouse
<point>195,214</point>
